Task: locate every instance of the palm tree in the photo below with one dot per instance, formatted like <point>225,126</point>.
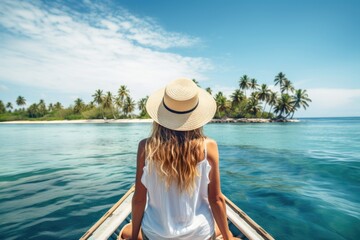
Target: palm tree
<point>209,90</point>
<point>283,105</point>
<point>20,101</point>
<point>279,79</point>
<point>129,106</point>
<point>244,83</point>
<point>196,82</point>
<point>287,86</point>
<point>300,99</point>
<point>58,106</point>
<point>253,84</point>
<point>107,102</point>
<point>98,97</point>
<point>237,97</point>
<point>33,110</point>
<point>123,92</point>
<point>42,108</point>
<point>253,106</point>
<point>79,105</point>
<point>221,103</point>
<point>9,106</point>
<point>118,104</point>
<point>51,107</point>
<point>255,95</point>
<point>142,106</point>
<point>264,94</point>
<point>2,107</point>
<point>272,100</point>
<point>90,105</point>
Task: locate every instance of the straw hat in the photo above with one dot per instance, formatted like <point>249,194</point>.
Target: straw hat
<point>181,106</point>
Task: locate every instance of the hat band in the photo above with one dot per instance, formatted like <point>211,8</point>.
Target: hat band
<point>179,112</point>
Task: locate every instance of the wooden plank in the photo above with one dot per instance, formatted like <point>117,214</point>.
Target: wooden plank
<point>107,214</point>
<point>113,218</point>
<point>109,226</point>
<point>245,224</point>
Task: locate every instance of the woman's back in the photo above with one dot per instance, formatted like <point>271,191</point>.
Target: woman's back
<point>177,194</point>
<point>175,214</point>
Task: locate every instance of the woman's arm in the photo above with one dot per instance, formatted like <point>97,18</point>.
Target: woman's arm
<point>216,198</point>
<point>139,198</point>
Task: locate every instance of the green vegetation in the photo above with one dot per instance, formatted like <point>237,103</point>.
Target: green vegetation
<point>251,99</point>
<point>248,101</point>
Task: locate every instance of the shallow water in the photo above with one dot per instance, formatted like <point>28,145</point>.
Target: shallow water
<point>297,180</point>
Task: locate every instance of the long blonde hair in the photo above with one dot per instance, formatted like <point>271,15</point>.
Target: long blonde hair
<point>175,155</point>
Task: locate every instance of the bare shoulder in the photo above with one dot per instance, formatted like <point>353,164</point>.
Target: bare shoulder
<point>212,151</point>
<point>142,143</point>
<point>141,148</point>
<point>211,143</point>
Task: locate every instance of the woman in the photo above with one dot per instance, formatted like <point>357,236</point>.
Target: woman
<point>177,189</point>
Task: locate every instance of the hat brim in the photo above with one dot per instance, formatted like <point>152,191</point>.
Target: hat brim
<point>201,115</point>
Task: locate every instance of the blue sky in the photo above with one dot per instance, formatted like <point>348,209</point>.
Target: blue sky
<point>61,50</point>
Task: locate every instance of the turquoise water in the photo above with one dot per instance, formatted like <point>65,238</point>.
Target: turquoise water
<point>297,180</point>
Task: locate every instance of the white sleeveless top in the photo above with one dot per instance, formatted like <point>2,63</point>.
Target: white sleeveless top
<point>170,214</point>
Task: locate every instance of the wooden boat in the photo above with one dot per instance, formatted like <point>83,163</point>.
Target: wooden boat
<point>109,225</point>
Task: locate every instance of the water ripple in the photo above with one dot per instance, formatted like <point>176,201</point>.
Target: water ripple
<point>297,181</point>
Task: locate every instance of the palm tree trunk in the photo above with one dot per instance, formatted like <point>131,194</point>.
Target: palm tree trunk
<point>288,114</point>
<point>112,111</point>
<point>264,108</point>
<point>102,112</point>
<point>280,115</point>
<point>292,114</point>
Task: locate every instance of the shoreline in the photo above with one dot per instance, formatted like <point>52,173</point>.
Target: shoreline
<point>136,120</point>
<point>79,121</point>
<point>252,120</point>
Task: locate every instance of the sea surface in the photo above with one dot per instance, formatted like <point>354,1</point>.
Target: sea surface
<point>297,180</point>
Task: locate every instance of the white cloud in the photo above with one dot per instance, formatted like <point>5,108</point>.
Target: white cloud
<point>329,102</point>
<point>59,48</point>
